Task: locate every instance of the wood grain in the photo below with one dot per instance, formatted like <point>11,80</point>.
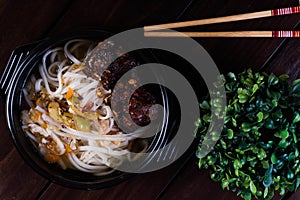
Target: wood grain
<point>287,60</point>
<point>235,54</point>
<point>21,22</point>
<point>295,196</point>
<point>119,14</point>
<point>193,183</point>
<point>196,184</point>
<point>231,53</point>
<point>115,15</point>
<point>17,178</point>
<point>146,186</point>
<point>219,34</point>
<point>216,20</point>
<point>24,21</point>
<point>224,19</point>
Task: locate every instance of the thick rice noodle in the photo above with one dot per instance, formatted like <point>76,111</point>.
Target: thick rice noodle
<point>68,121</point>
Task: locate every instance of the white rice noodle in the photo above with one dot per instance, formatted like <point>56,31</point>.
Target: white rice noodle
<point>87,88</point>
<point>38,85</point>
<point>78,44</point>
<point>51,70</point>
<point>43,73</point>
<point>44,59</point>
<point>103,150</point>
<point>77,163</point>
<point>104,91</point>
<point>88,98</point>
<point>62,134</point>
<point>69,53</point>
<point>34,128</point>
<point>88,135</point>
<point>50,121</point>
<point>38,108</point>
<point>32,137</point>
<point>96,151</point>
<point>97,103</point>
<point>111,124</point>
<point>54,54</point>
<point>108,113</point>
<point>74,76</point>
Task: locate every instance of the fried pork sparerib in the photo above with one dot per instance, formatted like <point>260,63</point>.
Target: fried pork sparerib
<point>96,66</point>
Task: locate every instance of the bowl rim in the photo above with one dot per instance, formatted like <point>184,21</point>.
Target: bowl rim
<point>10,101</point>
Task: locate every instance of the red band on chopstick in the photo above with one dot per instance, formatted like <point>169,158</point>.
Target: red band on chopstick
<point>279,34</point>
<point>286,11</point>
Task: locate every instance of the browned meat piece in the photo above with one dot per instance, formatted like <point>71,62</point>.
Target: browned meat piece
<point>141,100</point>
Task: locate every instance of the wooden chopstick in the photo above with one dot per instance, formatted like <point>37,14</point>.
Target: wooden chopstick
<point>239,17</point>
<point>274,34</point>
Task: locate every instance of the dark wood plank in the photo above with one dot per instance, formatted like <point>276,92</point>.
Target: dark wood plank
<point>196,184</point>
<point>17,178</point>
<point>116,15</point>
<point>21,22</point>
<point>295,196</point>
<point>146,186</point>
<point>193,183</point>
<point>235,54</point>
<point>229,54</point>
<point>119,14</point>
<point>287,60</point>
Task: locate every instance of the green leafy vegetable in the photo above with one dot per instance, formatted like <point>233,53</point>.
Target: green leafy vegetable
<point>257,152</point>
<point>260,116</point>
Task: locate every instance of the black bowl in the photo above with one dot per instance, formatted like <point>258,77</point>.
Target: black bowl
<point>22,64</point>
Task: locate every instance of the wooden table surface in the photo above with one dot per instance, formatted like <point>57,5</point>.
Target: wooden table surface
<point>23,22</point>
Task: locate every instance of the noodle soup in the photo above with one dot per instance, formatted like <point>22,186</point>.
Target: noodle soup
<point>69,119</point>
